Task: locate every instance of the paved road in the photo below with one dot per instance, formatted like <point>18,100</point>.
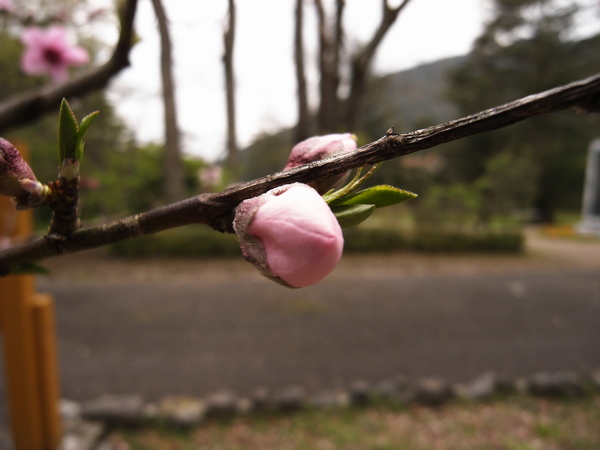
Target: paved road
<point>190,338</point>
<point>184,327</point>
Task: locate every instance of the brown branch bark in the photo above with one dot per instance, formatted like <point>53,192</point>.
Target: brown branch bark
<point>217,210</point>
<point>173,166</point>
<point>30,105</point>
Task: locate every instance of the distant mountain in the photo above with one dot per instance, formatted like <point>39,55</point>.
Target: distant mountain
<point>406,100</point>
<point>411,98</point>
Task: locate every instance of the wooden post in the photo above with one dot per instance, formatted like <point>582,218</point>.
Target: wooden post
<point>47,358</point>
<point>30,360</point>
<point>20,360</point>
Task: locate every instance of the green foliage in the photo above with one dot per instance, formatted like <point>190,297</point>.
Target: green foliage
<point>187,242</point>
<point>267,154</point>
<point>553,146</point>
<point>478,241</point>
<point>132,181</point>
<point>13,80</point>
<point>203,242</point>
<point>455,205</point>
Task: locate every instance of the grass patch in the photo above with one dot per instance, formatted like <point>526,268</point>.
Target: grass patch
<point>516,422</point>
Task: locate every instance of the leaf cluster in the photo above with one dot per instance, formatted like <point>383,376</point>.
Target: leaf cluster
<point>352,207</point>
<point>71,133</point>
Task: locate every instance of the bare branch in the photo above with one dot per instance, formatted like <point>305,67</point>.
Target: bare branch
<point>30,105</point>
<point>217,210</point>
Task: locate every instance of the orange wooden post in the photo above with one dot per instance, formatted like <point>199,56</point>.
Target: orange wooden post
<point>45,336</point>
<point>20,359</point>
<point>27,325</point>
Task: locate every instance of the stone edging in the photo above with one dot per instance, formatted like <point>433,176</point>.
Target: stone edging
<point>86,422</point>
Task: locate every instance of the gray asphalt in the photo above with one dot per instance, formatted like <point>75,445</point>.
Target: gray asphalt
<point>191,338</point>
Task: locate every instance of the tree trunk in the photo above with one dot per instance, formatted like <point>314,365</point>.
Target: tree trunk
<point>329,68</point>
<point>173,165</point>
<point>302,127</point>
<point>361,62</point>
<point>232,160</point>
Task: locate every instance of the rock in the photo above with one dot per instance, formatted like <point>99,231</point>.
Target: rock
<point>82,435</point>
<point>244,405</point>
<point>124,410</point>
<point>290,398</point>
<point>261,398</point>
<point>69,409</point>
<point>182,411</point>
<point>360,393</point>
<point>546,384</point>
<point>396,390</point>
<point>481,388</point>
<point>506,384</point>
<point>221,403</point>
<point>385,389</point>
<point>432,391</point>
<point>595,377</point>
<point>329,399</point>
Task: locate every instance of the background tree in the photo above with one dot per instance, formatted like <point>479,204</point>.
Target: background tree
<point>332,65</point>
<point>527,46</point>
<point>173,166</point>
<point>232,160</point>
<point>361,63</point>
<point>303,124</point>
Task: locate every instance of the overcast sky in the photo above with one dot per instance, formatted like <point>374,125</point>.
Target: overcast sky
<point>426,30</point>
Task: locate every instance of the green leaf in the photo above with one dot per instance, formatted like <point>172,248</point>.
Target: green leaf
<point>30,268</point>
<point>380,196</point>
<point>84,126</point>
<point>333,197</point>
<point>67,132</point>
<point>351,215</point>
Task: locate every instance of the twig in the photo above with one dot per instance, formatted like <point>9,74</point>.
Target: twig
<point>217,210</point>
<point>27,106</point>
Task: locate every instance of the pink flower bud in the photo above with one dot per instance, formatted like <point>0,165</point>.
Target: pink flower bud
<point>290,235</point>
<point>16,177</point>
<point>320,147</point>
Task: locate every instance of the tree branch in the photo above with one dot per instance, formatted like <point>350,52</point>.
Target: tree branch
<point>30,105</point>
<point>217,210</point>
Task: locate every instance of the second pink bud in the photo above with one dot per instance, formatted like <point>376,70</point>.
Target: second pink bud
<point>321,147</point>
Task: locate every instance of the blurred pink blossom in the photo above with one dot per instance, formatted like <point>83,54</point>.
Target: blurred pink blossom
<point>290,235</point>
<point>210,177</point>
<point>48,52</point>
<point>7,5</point>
